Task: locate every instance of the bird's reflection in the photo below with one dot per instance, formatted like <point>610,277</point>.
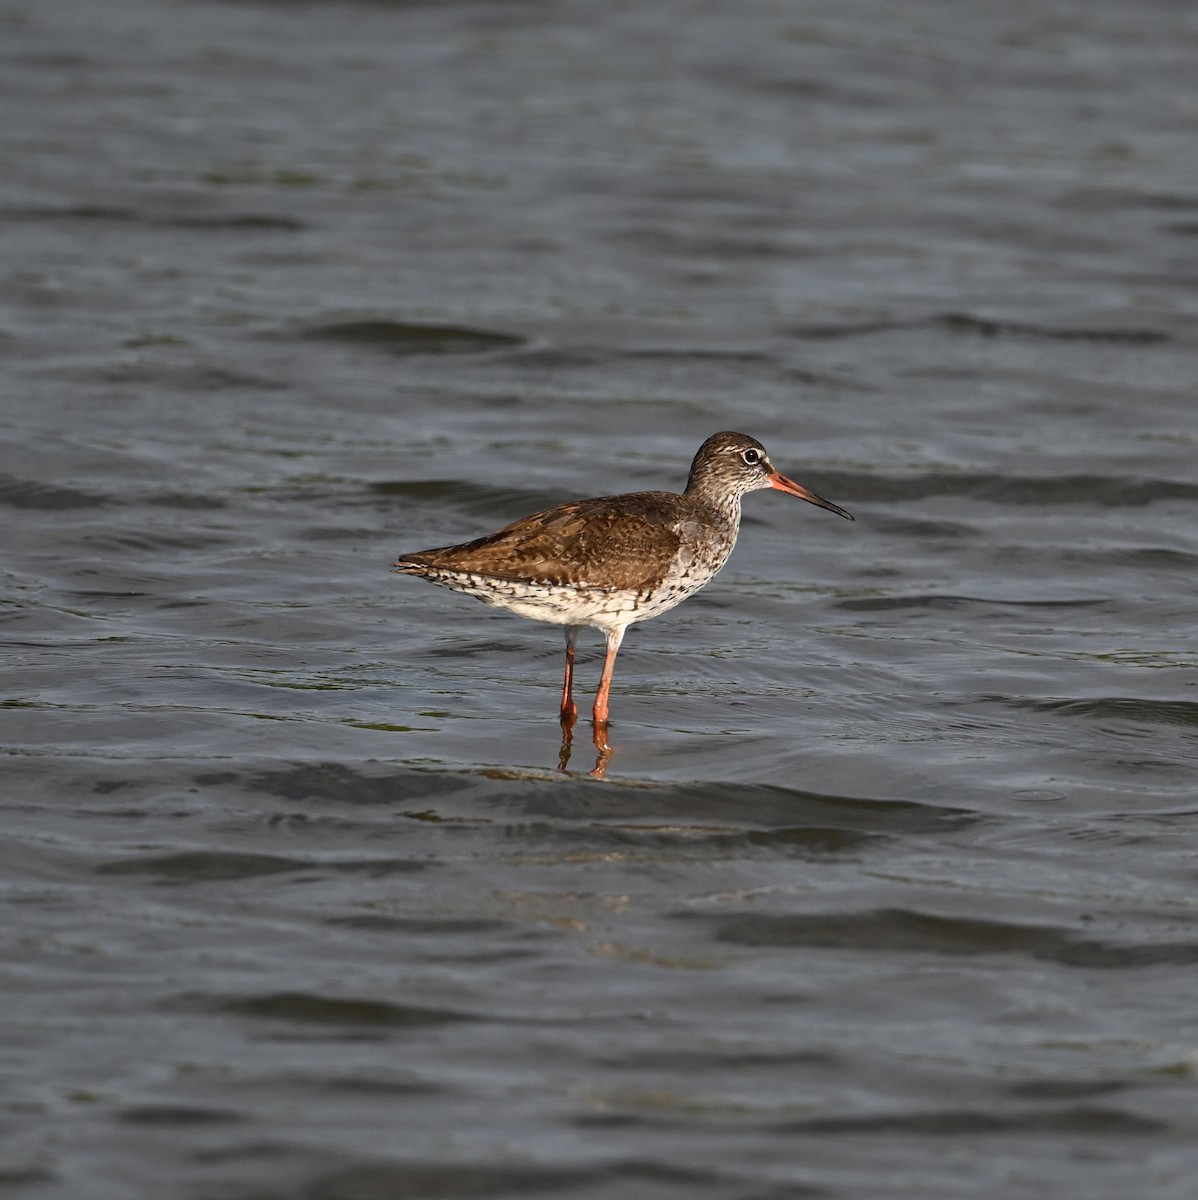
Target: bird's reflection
<point>599,738</point>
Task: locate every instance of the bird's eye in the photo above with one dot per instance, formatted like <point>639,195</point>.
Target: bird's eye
<point>751,457</point>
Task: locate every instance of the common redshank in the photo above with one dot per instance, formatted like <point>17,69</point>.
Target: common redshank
<point>609,562</point>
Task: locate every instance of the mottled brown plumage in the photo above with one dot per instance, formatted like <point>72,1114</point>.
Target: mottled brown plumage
<point>625,542</point>
<point>614,560</point>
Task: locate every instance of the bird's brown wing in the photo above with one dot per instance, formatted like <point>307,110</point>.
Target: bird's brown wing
<point>625,542</point>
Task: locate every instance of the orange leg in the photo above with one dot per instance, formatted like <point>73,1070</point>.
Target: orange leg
<point>614,638</point>
<point>569,708</point>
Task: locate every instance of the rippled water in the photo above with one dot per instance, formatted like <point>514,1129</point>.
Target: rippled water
<point>890,888</point>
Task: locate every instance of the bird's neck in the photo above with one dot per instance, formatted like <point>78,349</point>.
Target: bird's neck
<point>722,505</point>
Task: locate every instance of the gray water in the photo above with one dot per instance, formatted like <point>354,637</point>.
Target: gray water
<point>890,889</point>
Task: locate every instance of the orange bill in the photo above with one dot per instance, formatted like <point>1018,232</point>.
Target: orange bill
<point>779,481</point>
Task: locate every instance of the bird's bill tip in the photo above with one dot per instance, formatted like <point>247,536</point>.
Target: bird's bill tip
<point>779,481</point>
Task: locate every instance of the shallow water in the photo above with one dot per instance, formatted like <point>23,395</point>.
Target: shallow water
<point>890,888</point>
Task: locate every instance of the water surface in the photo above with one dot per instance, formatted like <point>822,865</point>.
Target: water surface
<point>890,888</point>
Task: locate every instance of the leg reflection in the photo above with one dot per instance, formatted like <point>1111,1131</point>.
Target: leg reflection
<point>603,751</point>
<point>602,748</point>
<point>563,755</point>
